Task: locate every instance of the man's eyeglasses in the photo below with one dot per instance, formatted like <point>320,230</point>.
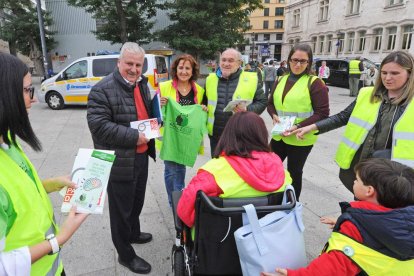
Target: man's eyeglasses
<point>29,90</point>
<point>299,61</point>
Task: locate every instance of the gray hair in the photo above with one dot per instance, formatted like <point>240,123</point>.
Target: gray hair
<point>131,47</point>
<point>238,54</point>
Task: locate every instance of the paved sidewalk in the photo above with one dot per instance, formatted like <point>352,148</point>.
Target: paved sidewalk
<point>90,251</point>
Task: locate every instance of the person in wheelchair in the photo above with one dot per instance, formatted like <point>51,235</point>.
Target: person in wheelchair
<point>243,166</point>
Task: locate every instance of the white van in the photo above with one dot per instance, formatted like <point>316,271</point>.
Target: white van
<point>72,84</point>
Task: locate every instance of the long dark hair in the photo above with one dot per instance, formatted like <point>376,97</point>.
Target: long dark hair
<point>304,48</point>
<point>13,113</point>
<point>244,132</point>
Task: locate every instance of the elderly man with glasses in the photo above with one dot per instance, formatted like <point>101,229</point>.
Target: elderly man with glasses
<point>228,83</point>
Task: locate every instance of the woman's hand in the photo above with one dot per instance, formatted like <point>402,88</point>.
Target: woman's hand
<point>57,183</point>
<point>163,101</point>
<point>205,108</point>
<point>71,224</point>
<point>275,119</point>
<point>330,221</point>
<point>240,108</point>
<point>289,131</point>
<point>279,272</point>
<point>300,132</point>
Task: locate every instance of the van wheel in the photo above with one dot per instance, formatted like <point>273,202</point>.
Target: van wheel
<point>55,101</point>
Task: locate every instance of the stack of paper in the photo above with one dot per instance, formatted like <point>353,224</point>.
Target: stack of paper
<point>232,104</point>
<point>286,122</point>
<point>149,127</point>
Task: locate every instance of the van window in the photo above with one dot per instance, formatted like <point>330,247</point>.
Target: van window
<point>77,70</point>
<point>103,67</point>
<point>343,66</point>
<point>161,65</point>
<point>145,67</point>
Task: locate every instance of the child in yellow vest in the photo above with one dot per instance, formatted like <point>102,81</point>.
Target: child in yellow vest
<point>373,235</point>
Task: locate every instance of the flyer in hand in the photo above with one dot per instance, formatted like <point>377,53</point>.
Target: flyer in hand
<point>232,104</point>
<point>149,127</point>
<point>286,122</point>
<point>90,172</point>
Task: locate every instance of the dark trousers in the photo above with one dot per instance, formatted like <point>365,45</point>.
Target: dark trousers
<point>213,144</point>
<point>296,158</point>
<point>268,87</point>
<point>126,200</point>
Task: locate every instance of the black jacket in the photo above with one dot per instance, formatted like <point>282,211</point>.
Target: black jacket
<point>225,91</point>
<point>111,108</point>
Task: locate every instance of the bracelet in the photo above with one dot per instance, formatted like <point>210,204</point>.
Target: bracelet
<point>53,243</point>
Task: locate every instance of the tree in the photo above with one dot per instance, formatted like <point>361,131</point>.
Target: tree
<point>202,28</point>
<point>122,20</point>
<point>21,30</point>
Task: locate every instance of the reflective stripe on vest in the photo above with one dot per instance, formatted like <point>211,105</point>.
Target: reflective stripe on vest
<point>354,67</point>
<point>369,260</point>
<point>167,90</point>
<point>297,102</point>
<point>34,211</point>
<point>246,88</point>
<point>232,185</point>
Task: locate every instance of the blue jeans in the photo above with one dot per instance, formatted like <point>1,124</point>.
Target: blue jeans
<point>174,177</point>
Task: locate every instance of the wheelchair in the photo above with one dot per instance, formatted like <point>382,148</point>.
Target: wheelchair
<point>211,248</point>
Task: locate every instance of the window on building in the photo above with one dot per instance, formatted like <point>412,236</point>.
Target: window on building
<point>406,37</point>
<point>313,43</point>
<point>330,43</point>
<point>353,6</point>
<point>296,18</point>
<point>321,44</point>
<point>377,38</point>
<point>265,24</point>
<point>392,35</point>
<point>323,10</point>
<point>297,41</point>
<point>266,37</point>
<point>361,42</point>
<point>291,43</point>
<point>351,42</point>
<point>281,1</point>
<point>279,36</point>
<point>341,44</point>
<point>266,11</point>
<point>267,1</point>
<point>279,11</point>
<point>394,2</point>
<point>278,24</point>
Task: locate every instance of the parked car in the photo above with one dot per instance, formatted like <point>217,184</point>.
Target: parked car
<point>339,68</point>
<point>72,84</point>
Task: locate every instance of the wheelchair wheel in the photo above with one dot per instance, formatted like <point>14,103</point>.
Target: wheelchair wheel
<point>179,264</point>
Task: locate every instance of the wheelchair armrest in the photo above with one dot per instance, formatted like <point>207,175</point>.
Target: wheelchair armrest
<point>175,197</point>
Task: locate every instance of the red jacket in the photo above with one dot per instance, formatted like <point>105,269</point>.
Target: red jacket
<point>264,172</point>
<point>335,262</point>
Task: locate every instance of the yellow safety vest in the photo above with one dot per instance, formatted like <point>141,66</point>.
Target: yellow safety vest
<point>167,90</point>
<point>296,103</point>
<point>34,213</point>
<point>232,185</point>
<point>246,88</point>
<point>354,67</point>
<point>363,119</point>
<point>370,261</point>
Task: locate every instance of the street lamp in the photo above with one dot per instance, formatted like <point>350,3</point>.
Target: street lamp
<point>253,46</point>
<point>42,37</point>
<point>338,42</point>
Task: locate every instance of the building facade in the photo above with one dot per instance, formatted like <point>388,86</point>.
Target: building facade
<point>350,28</point>
<point>267,31</point>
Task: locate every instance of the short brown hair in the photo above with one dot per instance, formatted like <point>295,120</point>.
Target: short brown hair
<point>304,48</point>
<point>191,60</point>
<point>393,182</point>
<point>244,132</point>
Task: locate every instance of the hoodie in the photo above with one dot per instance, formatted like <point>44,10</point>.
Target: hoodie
<point>264,172</point>
<point>387,230</point>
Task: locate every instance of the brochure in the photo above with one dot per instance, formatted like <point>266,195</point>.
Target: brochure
<point>232,104</point>
<point>149,127</point>
<point>286,122</point>
<point>90,172</point>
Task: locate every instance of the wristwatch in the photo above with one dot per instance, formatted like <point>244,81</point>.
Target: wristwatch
<point>53,243</point>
